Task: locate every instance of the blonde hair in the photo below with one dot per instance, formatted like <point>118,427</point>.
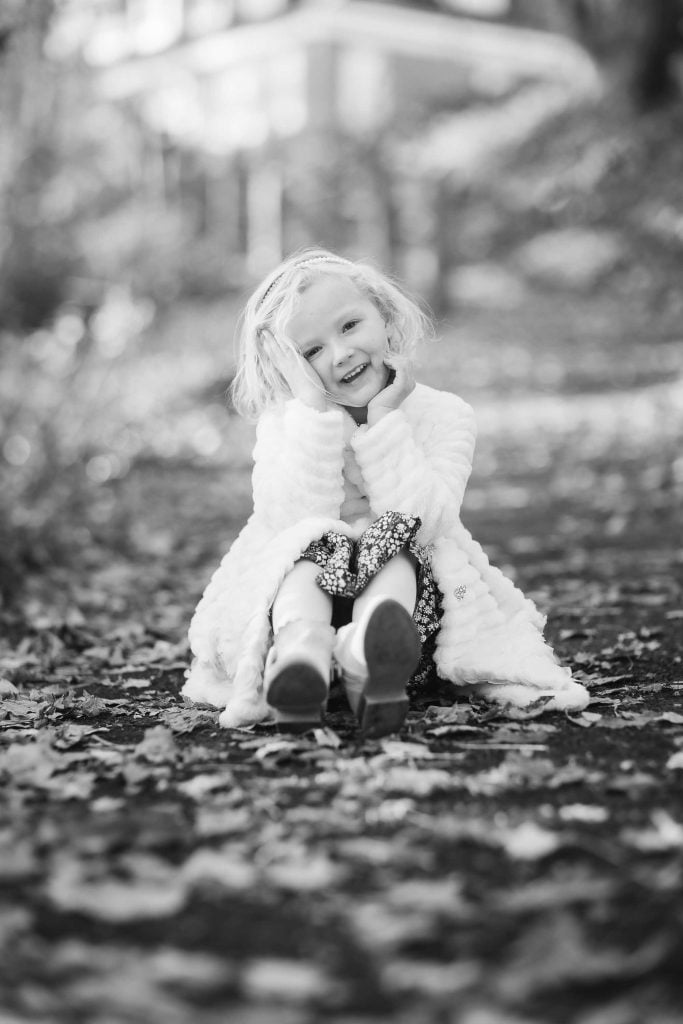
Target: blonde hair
<point>262,335</point>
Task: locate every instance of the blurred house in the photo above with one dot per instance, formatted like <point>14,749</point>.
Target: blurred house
<point>282,123</point>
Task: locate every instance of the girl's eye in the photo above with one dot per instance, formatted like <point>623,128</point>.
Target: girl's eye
<point>310,352</point>
<point>350,324</point>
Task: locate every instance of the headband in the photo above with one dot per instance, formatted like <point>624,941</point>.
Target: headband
<point>296,266</point>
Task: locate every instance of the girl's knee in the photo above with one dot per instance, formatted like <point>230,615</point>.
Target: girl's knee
<point>303,569</point>
<point>407,557</point>
<point>403,562</point>
<point>300,597</point>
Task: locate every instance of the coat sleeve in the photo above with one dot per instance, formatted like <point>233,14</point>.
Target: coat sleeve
<point>298,461</point>
<point>424,477</point>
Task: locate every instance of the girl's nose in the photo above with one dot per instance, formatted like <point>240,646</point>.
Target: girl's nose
<point>340,352</point>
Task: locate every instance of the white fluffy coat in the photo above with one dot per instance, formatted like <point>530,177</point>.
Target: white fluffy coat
<point>416,460</point>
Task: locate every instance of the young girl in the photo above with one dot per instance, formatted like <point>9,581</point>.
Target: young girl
<point>358,479</point>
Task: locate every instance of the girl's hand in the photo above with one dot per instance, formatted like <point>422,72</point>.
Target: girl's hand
<point>303,381</point>
<point>392,396</point>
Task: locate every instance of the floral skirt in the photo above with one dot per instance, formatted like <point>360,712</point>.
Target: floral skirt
<point>347,566</point>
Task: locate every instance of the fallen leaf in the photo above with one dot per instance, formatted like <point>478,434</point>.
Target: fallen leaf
<point>223,868</point>
<point>532,710</point>
<point>420,782</point>
<point>584,718</point>
<point>546,894</point>
<point>91,706</point>
<point>398,750</point>
<point>21,709</point>
<point>441,896</point>
<point>640,719</point>
<point>158,892</point>
<point>528,841</point>
<point>455,714</point>
<point>610,680</point>
<point>97,653</point>
<point>438,731</point>
<point>192,973</point>
<point>309,873</point>
<point>223,821</point>
<point>174,655</point>
<point>158,746</point>
<point>434,980</point>
<point>675,761</point>
<point>630,782</point>
<point>573,773</point>
<point>136,773</point>
<point>555,952</point>
<point>664,833</point>
<point>276,748</point>
<point>186,720</point>
<point>122,992</point>
<point>381,928</point>
<point>18,859</point>
<point>369,849</point>
<point>70,734</point>
<point>33,764</point>
<point>75,786</point>
<point>287,981</point>
<point>618,723</point>
<point>672,717</point>
<point>199,786</point>
<point>514,771</point>
<point>327,737</point>
<point>587,813</point>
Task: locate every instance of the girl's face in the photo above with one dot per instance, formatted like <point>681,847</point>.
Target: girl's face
<point>341,333</point>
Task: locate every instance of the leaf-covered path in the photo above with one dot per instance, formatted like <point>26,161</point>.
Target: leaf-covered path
<point>483,867</point>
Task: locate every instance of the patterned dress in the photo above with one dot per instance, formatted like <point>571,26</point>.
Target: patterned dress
<point>347,566</point>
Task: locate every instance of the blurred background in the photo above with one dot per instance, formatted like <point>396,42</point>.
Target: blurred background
<point>518,165</point>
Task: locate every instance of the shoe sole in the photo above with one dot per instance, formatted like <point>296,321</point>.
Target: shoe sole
<point>392,651</point>
<point>297,694</point>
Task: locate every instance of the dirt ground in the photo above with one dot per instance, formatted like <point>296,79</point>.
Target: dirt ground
<point>485,866</point>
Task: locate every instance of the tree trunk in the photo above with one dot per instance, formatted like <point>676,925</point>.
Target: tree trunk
<point>653,80</point>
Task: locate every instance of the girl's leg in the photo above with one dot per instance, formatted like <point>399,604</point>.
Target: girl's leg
<point>379,651</point>
<point>297,673</point>
<point>397,579</point>
<point>300,597</point>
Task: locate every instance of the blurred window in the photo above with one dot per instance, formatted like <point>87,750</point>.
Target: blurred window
<point>260,10</point>
<point>205,16</point>
<point>287,85</point>
<point>364,92</point>
<point>239,116</point>
<point>174,107</point>
<point>155,25</point>
<point>108,41</point>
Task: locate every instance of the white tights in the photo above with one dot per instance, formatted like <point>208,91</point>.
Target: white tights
<point>300,597</point>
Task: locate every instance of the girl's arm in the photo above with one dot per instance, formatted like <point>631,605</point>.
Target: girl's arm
<point>298,464</point>
<point>425,479</point>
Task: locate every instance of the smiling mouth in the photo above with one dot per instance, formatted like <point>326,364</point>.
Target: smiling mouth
<point>354,374</point>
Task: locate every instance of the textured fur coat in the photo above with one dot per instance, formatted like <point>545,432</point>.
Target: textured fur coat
<point>415,460</point>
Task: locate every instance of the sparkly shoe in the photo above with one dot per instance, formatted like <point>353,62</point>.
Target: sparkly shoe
<point>377,656</point>
<point>297,674</point>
